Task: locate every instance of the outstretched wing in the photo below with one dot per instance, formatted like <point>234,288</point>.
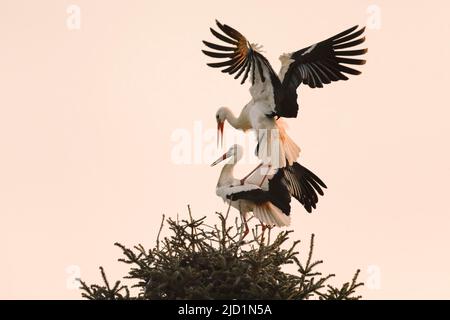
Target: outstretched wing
<point>296,180</point>
<point>302,184</point>
<point>319,64</point>
<point>282,183</point>
<point>241,57</point>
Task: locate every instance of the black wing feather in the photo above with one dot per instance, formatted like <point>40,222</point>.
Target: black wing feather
<point>320,64</point>
<point>241,58</point>
<point>302,184</point>
<point>218,54</point>
<point>218,47</point>
<point>223,38</point>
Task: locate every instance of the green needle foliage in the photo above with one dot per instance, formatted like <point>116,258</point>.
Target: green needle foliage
<point>199,261</point>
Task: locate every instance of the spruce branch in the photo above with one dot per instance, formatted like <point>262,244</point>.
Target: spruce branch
<point>200,261</point>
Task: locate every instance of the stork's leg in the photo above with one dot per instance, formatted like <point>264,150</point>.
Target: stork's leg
<point>244,222</point>
<point>247,230</point>
<point>263,230</point>
<point>265,176</point>
<point>245,178</point>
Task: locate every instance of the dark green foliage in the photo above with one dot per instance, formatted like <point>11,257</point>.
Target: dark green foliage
<point>213,262</point>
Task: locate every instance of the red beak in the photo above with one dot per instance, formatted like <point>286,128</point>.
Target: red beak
<point>223,157</point>
<point>220,126</point>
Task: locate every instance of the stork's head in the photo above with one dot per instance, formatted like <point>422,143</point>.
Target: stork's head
<point>235,153</point>
<point>221,116</point>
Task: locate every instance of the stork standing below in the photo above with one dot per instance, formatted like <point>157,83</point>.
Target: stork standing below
<point>275,96</point>
<point>267,197</point>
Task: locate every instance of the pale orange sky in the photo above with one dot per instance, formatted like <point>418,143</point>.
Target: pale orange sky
<point>87,117</point>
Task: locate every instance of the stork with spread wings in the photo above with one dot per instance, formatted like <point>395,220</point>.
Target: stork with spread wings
<point>275,95</point>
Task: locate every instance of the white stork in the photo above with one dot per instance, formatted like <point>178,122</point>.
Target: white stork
<point>275,96</point>
<point>267,196</point>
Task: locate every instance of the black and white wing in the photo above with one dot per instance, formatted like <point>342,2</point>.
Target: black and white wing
<point>302,184</point>
<point>241,57</point>
<point>296,181</point>
<point>322,63</point>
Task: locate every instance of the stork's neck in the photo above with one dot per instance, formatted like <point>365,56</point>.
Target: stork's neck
<point>236,123</point>
<point>226,175</point>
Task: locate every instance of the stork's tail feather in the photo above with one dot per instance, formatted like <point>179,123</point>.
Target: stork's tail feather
<point>271,215</point>
<point>290,149</point>
<point>276,148</point>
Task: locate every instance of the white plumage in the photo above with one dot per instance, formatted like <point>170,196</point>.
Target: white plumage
<point>228,186</point>
<point>275,95</point>
<point>267,192</point>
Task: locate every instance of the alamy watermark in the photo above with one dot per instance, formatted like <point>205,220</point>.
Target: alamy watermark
<point>374,17</point>
<point>201,146</point>
<point>373,281</point>
<point>73,277</point>
<point>73,20</point>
